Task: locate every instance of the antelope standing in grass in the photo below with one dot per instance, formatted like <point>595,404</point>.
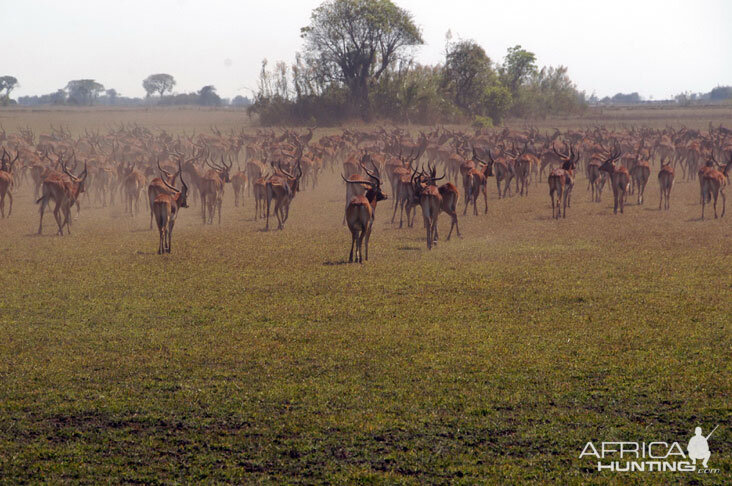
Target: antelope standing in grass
<point>561,182</point>
<point>665,183</point>
<point>595,178</point>
<point>619,179</point>
<point>133,185</point>
<point>713,185</point>
<point>282,187</point>
<point>165,209</point>
<point>6,181</point>
<point>64,191</point>
<point>360,213</point>
<point>260,196</point>
<point>239,183</point>
<point>430,200</point>
<point>474,182</point>
<point>212,189</point>
<point>158,186</point>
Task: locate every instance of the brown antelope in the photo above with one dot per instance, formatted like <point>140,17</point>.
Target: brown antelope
<point>360,214</point>
<point>64,191</point>
<point>430,200</point>
<point>595,177</point>
<point>713,186</point>
<point>158,186</point>
<point>640,173</point>
<point>665,183</point>
<point>474,182</point>
<point>619,179</point>
<point>522,166</point>
<point>6,181</point>
<point>450,196</point>
<point>133,185</point>
<point>282,187</point>
<point>165,208</point>
<point>260,196</point>
<point>212,189</point>
<point>239,183</point>
<point>561,182</point>
<point>503,171</point>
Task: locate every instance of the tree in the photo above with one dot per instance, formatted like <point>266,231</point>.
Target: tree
<point>207,96</point>
<point>83,91</point>
<point>8,83</point>
<point>496,101</point>
<point>518,65</point>
<point>354,41</point>
<point>467,72</point>
<point>721,93</point>
<point>158,83</point>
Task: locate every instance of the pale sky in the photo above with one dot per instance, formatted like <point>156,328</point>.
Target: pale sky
<point>658,48</point>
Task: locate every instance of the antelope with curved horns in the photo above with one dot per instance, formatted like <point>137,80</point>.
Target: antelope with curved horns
<point>360,214</point>
<point>619,179</point>
<point>475,181</point>
<point>165,209</point>
<point>430,200</point>
<point>159,185</point>
<point>561,182</point>
<point>64,191</point>
<point>6,180</point>
<point>212,189</point>
<point>282,187</point>
<point>713,186</point>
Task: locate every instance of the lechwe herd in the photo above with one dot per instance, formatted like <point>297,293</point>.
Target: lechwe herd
<point>127,160</point>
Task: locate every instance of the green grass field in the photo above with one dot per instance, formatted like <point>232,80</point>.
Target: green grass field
<point>249,356</point>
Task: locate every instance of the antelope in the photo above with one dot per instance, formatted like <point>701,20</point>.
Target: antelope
<point>665,183</point>
<point>619,179</point>
<point>595,178</point>
<point>282,188</point>
<point>640,174</point>
<point>503,170</point>
<point>165,209</point>
<point>360,214</point>
<point>239,183</point>
<point>158,186</point>
<point>64,191</point>
<point>260,196</point>
<point>402,187</point>
<point>133,184</point>
<point>430,200</point>
<point>6,181</point>
<point>212,189</point>
<point>450,196</point>
<point>474,182</point>
<point>713,185</point>
<point>561,182</point>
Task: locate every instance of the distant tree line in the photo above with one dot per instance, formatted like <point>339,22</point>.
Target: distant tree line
<point>357,62</point>
<point>87,92</point>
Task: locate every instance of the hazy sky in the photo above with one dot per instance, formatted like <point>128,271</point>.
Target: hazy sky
<point>658,48</point>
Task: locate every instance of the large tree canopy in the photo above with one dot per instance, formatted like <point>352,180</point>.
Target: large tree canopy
<point>518,66</point>
<point>8,84</point>
<point>467,72</point>
<point>355,41</point>
<point>83,91</point>
<point>158,83</point>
